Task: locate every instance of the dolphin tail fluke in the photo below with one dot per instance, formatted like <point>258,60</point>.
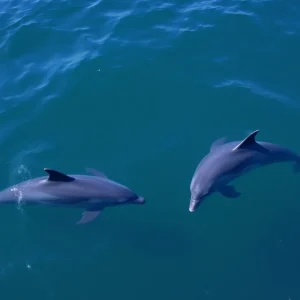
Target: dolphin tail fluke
<point>296,167</point>
<point>88,216</point>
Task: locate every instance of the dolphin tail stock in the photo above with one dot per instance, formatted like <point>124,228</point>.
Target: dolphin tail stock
<point>90,214</point>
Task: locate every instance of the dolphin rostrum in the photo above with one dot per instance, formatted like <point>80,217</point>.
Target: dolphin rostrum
<point>228,161</point>
<point>93,193</point>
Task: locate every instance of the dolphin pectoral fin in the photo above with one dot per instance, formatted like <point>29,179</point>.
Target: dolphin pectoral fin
<point>229,191</point>
<point>96,172</point>
<point>88,216</point>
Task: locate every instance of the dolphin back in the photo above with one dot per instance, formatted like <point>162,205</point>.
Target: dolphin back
<point>82,188</point>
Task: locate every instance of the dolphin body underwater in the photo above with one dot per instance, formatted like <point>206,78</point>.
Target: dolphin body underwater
<point>93,193</point>
<point>228,161</point>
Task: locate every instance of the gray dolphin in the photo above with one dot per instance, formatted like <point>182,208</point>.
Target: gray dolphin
<point>93,193</point>
<point>228,161</point>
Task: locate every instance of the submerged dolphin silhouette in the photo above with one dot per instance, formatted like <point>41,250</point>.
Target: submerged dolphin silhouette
<point>93,193</point>
<point>227,161</point>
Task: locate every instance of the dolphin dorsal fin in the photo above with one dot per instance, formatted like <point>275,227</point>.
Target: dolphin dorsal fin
<point>249,140</point>
<point>58,176</point>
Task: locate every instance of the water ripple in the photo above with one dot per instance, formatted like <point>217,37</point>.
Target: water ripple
<point>87,31</point>
<point>258,90</point>
<point>50,52</point>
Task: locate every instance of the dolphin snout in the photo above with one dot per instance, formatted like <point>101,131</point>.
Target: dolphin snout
<point>139,200</point>
<point>193,205</point>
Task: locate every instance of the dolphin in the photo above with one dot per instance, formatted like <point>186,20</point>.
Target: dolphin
<point>92,192</point>
<point>227,161</point>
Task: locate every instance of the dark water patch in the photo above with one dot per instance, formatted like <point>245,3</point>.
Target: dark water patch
<point>278,248</point>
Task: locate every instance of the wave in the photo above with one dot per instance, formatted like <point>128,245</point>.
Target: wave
<point>258,90</point>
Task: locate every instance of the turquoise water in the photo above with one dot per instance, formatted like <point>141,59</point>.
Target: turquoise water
<point>140,90</point>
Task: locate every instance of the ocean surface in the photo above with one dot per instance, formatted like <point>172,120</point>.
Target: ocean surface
<point>140,90</point>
